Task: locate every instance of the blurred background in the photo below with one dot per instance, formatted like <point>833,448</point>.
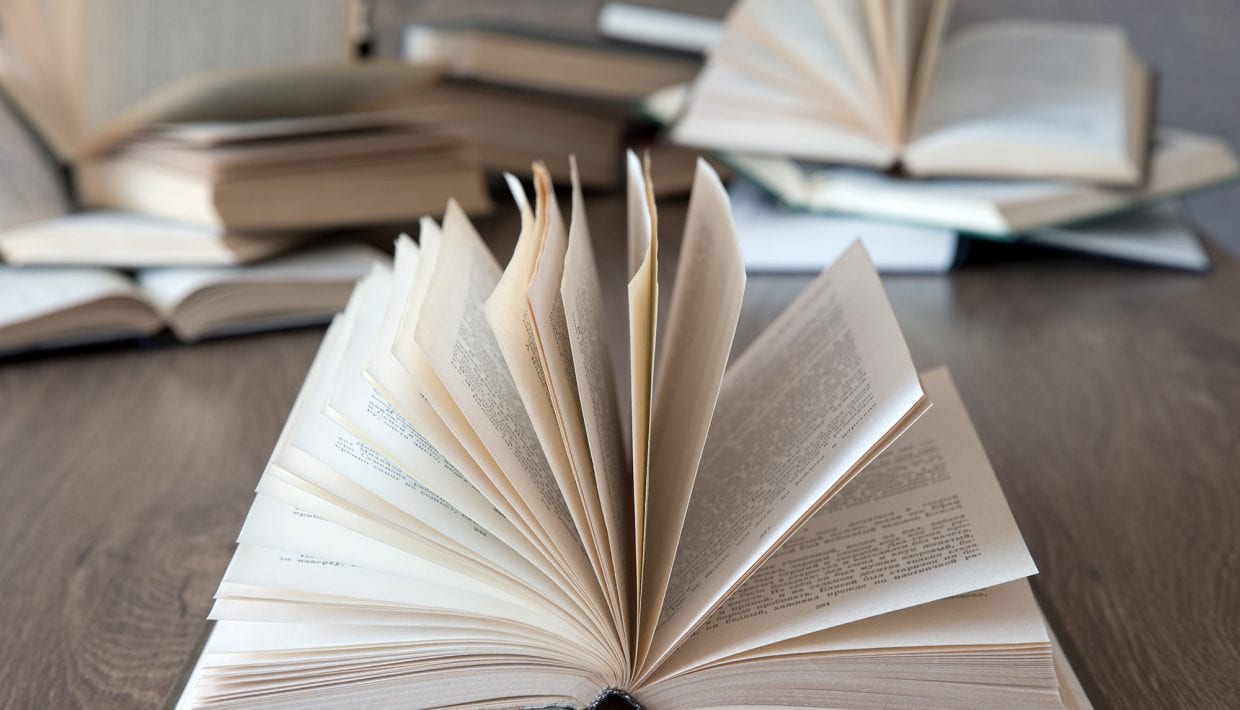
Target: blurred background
<point>178,171</point>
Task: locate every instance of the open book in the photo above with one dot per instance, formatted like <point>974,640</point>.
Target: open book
<point>1181,162</point>
<point>90,72</point>
<point>49,307</point>
<point>876,84</point>
<point>452,515</point>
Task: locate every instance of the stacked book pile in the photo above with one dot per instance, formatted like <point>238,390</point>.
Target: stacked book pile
<point>874,121</point>
<point>145,175</point>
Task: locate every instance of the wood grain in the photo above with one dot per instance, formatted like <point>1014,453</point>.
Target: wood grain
<point>1106,396</point>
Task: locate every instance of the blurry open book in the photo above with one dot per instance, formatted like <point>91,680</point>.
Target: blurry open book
<point>453,515</point>
<point>48,307</point>
<point>877,83</point>
<point>1180,162</point>
<point>89,72</point>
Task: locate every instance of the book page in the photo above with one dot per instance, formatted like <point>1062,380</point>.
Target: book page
<point>1002,86</point>
<point>585,324</point>
<point>125,55</point>
<point>548,318</point>
<point>924,521</point>
<point>31,187</point>
<point>168,287</point>
<point>393,363</point>
<point>706,303</point>
<point>358,407</point>
<point>453,333</point>
<point>816,397</point>
<point>509,313</point>
<point>643,291</point>
<point>54,307</point>
<point>1002,615</point>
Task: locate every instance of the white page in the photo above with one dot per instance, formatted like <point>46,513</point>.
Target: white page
<point>168,287</point>
<point>778,239</point>
<point>1059,87</point>
<point>37,291</point>
<point>1156,235</point>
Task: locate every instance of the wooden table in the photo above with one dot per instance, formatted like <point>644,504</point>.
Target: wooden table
<point>1108,398</point>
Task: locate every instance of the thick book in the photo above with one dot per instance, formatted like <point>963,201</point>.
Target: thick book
<point>454,515</point>
<point>879,84</point>
<point>49,307</point>
<point>516,57</point>
<point>304,179</point>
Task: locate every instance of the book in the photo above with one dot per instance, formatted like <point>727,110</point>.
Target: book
<point>88,72</point>
<point>521,57</point>
<point>51,307</point>
<point>130,240</point>
<point>775,239</point>
<point>38,224</point>
<point>1181,162</point>
<point>510,128</point>
<point>879,84</point>
<point>453,515</point>
<point>1158,235</point>
<point>312,180</point>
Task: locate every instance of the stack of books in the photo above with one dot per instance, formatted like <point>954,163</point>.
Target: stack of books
<point>892,127</point>
<point>190,161</point>
<point>518,92</point>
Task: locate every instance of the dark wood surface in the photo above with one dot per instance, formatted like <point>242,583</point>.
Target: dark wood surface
<point>1108,398</point>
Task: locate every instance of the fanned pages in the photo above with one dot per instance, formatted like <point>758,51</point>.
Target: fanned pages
<point>876,83</point>
<point>450,519</point>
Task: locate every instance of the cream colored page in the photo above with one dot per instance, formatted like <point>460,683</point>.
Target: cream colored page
<point>643,291</point>
<point>127,55</point>
<point>325,440</point>
<point>586,330</point>
<point>1003,615</point>
<point>1056,85</point>
<point>706,303</point>
<point>550,328</point>
<point>393,363</point>
<point>926,61</point>
<point>30,183</point>
<point>818,393</point>
<point>924,521</point>
<point>278,521</point>
<point>797,34</point>
<point>453,333</point>
<point>428,404</point>
<point>355,405</point>
<point>508,313</point>
<point>265,567</point>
